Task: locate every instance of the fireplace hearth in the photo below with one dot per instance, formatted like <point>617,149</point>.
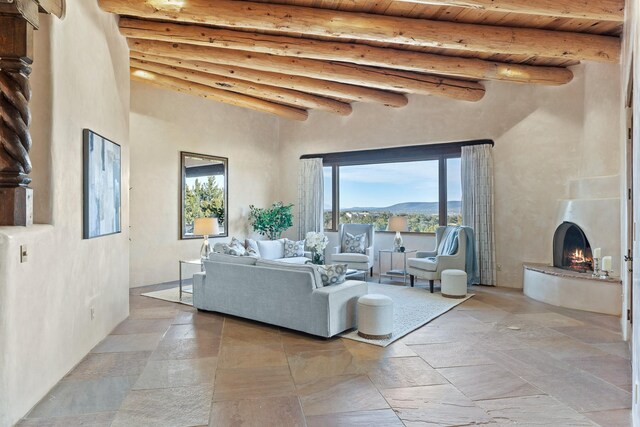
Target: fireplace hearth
<point>571,249</point>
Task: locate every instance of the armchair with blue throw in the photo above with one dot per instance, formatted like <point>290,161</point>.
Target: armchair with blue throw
<point>356,261</point>
<point>453,251</point>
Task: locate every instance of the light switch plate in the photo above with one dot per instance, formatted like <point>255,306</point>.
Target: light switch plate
<point>24,255</point>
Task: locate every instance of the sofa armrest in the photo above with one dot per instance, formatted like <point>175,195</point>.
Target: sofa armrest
<point>308,254</point>
<point>369,251</point>
<point>335,250</point>
<point>426,254</point>
<point>198,286</point>
<point>341,302</point>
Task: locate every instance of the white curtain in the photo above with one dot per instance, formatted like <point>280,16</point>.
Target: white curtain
<point>477,206</point>
<point>310,197</point>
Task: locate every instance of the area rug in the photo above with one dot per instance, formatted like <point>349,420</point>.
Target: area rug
<point>412,308</point>
<point>173,295</point>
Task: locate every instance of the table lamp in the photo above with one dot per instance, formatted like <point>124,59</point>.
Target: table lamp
<point>398,224</point>
<point>206,227</point>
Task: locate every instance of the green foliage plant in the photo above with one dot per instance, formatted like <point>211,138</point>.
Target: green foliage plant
<point>271,222</point>
<point>204,200</point>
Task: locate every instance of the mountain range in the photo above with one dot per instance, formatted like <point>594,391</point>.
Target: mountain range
<point>426,208</point>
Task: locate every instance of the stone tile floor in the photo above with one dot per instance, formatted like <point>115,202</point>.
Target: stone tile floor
<point>498,359</point>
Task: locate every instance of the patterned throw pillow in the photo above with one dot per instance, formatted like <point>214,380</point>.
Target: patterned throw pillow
<point>235,248</point>
<point>333,274</point>
<point>293,249</point>
<point>353,244</point>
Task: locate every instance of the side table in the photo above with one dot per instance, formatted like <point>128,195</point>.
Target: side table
<point>394,273</point>
<point>191,262</point>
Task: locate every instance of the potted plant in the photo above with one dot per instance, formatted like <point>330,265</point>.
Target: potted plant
<point>271,222</point>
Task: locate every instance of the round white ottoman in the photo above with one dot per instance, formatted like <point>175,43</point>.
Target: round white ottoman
<point>375,316</point>
<point>453,283</point>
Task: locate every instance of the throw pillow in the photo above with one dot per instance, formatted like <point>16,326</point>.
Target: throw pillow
<point>252,247</point>
<point>354,244</point>
<point>235,248</point>
<point>333,274</point>
<point>293,248</point>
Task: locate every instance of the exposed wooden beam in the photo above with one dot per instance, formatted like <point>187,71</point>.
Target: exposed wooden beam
<point>597,10</point>
<point>289,81</point>
<point>347,52</point>
<point>271,93</point>
<point>387,29</point>
<point>401,81</point>
<point>219,95</point>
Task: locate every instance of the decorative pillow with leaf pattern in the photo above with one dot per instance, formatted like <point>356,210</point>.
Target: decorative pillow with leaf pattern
<point>235,248</point>
<point>293,249</point>
<point>333,274</point>
<point>354,244</point>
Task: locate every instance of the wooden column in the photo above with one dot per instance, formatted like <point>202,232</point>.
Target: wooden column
<point>16,56</point>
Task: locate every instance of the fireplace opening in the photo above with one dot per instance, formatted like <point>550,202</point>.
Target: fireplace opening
<point>571,249</point>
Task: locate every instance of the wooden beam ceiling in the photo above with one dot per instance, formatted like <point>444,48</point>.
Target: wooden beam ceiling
<point>470,68</point>
<point>262,55</point>
<point>220,95</point>
<point>326,88</point>
<point>599,10</point>
<point>368,27</point>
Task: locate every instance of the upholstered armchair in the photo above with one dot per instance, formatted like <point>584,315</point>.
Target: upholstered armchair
<point>355,261</point>
<point>450,253</point>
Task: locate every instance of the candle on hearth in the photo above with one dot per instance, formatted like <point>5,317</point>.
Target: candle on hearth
<point>597,253</point>
<point>606,263</point>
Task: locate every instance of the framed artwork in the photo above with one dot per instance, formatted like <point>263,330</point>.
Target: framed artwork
<point>102,186</point>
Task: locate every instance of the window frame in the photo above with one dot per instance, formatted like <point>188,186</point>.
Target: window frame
<point>405,154</point>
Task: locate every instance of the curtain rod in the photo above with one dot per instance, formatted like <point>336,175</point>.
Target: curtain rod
<point>404,153</point>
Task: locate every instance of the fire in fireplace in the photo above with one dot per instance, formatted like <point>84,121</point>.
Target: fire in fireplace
<point>571,249</point>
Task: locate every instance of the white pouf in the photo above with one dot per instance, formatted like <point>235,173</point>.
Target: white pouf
<point>453,284</point>
<point>375,316</point>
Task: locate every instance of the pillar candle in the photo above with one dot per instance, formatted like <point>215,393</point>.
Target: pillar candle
<point>597,253</point>
<point>606,263</point>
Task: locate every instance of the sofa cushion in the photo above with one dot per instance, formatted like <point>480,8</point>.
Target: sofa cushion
<point>427,264</point>
<point>271,249</point>
<point>349,258</point>
<point>354,244</point>
<point>293,248</point>
<point>232,259</point>
<point>261,262</point>
<point>332,274</point>
<point>252,244</point>
<point>294,260</point>
<point>235,247</point>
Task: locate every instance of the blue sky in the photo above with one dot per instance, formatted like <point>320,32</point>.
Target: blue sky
<point>387,184</point>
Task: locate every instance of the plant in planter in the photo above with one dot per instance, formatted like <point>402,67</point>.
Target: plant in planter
<point>271,222</point>
<point>317,242</point>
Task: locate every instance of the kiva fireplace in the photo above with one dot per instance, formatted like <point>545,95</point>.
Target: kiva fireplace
<point>571,249</point>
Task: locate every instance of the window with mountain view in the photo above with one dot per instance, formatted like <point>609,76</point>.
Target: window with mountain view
<point>372,193</point>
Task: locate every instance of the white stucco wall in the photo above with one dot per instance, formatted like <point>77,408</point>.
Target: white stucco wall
<point>543,136</point>
<point>80,80</point>
<point>163,123</point>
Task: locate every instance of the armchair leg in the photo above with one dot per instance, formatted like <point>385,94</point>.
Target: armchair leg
<point>371,272</point>
<point>412,279</point>
<point>431,285</point>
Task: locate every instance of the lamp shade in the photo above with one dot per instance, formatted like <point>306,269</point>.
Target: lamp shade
<point>206,227</point>
<point>398,223</point>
